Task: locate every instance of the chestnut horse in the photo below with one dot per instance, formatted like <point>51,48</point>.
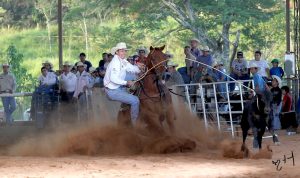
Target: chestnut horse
<point>156,109</point>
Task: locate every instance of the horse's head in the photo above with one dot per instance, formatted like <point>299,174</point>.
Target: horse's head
<point>156,60</point>
<point>263,101</point>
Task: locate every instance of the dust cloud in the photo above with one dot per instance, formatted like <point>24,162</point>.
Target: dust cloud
<point>103,136</point>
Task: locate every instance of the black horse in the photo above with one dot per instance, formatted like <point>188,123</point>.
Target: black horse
<point>255,116</point>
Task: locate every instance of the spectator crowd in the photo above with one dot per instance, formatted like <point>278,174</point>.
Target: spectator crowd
<point>74,82</point>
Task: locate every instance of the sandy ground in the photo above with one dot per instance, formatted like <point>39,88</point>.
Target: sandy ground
<point>170,165</point>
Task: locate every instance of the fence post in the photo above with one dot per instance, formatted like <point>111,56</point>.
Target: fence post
<point>230,114</point>
<point>203,105</point>
<point>187,95</point>
<point>217,107</point>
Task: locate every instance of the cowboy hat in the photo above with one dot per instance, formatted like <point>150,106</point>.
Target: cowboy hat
<point>47,62</point>
<point>142,48</point>
<point>205,48</point>
<point>169,54</point>
<point>278,80</point>
<point>195,39</point>
<point>253,65</point>
<point>79,64</point>
<point>113,50</point>
<point>214,64</point>
<point>121,45</point>
<point>67,63</point>
<point>171,64</point>
<point>5,65</point>
<point>92,69</point>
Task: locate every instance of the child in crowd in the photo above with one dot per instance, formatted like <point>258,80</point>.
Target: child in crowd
<point>276,70</point>
<point>276,103</point>
<point>287,99</point>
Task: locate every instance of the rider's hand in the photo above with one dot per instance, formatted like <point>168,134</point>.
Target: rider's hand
<point>130,83</point>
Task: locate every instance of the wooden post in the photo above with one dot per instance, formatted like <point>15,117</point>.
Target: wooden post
<point>60,32</point>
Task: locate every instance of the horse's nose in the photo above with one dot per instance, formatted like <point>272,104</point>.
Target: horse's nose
<point>267,110</point>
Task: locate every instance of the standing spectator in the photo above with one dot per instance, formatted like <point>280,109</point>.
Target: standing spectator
<point>47,79</point>
<point>264,70</point>
<point>82,86</point>
<point>67,83</point>
<point>8,86</point>
<point>276,103</point>
<point>287,99</point>
<point>48,65</point>
<point>259,82</point>
<point>172,77</point>
<point>188,63</point>
<point>276,70</point>
<point>239,70</point>
<point>82,58</point>
<point>142,53</point>
<point>195,47</point>
<point>104,60</point>
<point>205,58</point>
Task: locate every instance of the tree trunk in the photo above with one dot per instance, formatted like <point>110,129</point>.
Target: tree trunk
<point>226,43</point>
<point>48,29</point>
<point>86,36</point>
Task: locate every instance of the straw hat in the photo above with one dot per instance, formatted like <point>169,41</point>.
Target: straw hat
<point>113,50</point>
<point>47,62</point>
<point>169,54</point>
<point>195,39</point>
<point>171,64</point>
<point>253,65</point>
<point>142,48</point>
<point>205,48</point>
<point>92,69</point>
<point>5,65</point>
<point>67,63</point>
<point>79,64</point>
<point>214,64</point>
<point>278,80</point>
<point>121,45</point>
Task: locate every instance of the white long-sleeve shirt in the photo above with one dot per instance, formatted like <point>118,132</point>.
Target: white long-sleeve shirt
<point>50,79</point>
<point>116,72</point>
<point>83,80</point>
<point>68,82</point>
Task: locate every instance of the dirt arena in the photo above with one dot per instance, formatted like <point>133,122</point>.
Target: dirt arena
<point>122,154</point>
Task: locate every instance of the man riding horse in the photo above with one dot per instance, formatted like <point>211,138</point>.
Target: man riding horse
<point>115,85</point>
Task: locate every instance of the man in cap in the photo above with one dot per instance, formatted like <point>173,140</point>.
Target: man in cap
<point>82,58</point>
<point>114,80</point>
<point>83,84</point>
<point>142,54</point>
<point>172,77</point>
<point>48,79</point>
<point>8,86</point>
<point>264,70</point>
<point>276,70</point>
<point>68,82</point>
<point>260,84</point>
<point>48,65</point>
<point>205,58</point>
<point>194,47</point>
<point>239,70</point>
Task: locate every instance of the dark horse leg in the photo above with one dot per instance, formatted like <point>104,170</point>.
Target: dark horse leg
<point>245,127</point>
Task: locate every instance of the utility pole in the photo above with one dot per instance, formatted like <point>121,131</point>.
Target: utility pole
<point>60,33</point>
<point>288,24</point>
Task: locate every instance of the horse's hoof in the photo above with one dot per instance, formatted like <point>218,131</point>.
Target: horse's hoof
<point>277,143</point>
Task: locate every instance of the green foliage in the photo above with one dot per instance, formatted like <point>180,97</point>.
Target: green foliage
<point>25,81</point>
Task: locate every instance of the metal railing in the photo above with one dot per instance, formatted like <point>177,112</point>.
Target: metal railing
<point>204,100</point>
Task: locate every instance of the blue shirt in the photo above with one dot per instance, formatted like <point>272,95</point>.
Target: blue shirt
<point>259,82</point>
<point>208,60</point>
<point>278,71</point>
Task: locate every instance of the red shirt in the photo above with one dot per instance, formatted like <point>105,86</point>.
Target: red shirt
<point>286,103</point>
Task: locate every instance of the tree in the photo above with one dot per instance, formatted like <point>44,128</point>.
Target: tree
<point>48,9</point>
<point>24,80</point>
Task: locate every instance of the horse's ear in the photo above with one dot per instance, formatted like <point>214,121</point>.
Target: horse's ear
<point>162,48</point>
<point>151,48</point>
